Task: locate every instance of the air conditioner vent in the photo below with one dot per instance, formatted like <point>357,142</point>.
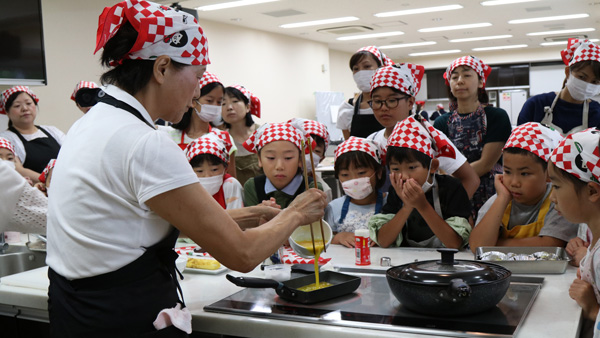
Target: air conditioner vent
<point>283,13</point>
<point>558,38</point>
<point>342,30</point>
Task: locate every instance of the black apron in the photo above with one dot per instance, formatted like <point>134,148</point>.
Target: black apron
<point>363,125</point>
<point>121,303</point>
<point>38,152</point>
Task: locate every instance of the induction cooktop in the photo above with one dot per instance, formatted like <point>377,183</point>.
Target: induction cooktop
<point>373,306</point>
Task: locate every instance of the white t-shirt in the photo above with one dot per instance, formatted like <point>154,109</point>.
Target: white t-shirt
<point>233,193</point>
<point>23,208</point>
<point>345,113</point>
<point>110,164</point>
<point>449,165</point>
<point>58,135</point>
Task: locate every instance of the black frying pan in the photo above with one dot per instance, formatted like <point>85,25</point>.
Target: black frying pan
<point>288,290</point>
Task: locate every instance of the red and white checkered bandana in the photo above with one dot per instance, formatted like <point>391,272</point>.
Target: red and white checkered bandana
<point>580,50</point>
<point>4,143</point>
<point>579,155</point>
<point>83,84</point>
<point>311,127</point>
<point>254,101</point>
<point>271,132</point>
<point>16,89</point>
<point>472,61</point>
<point>161,31</point>
<point>405,77</point>
<point>383,59</point>
<point>207,78</point>
<point>217,143</point>
<point>422,137</point>
<point>371,147</point>
<point>535,138</point>
<point>44,174</point>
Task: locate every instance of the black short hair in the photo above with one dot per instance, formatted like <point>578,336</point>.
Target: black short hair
<point>231,91</point>
<point>198,160</point>
<point>130,75</point>
<point>521,151</point>
<point>578,184</point>
<point>360,159</point>
<point>402,155</point>
<point>186,119</point>
<point>358,56</point>
<point>318,140</point>
<point>11,100</point>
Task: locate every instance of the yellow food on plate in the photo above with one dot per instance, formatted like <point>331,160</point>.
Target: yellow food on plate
<point>202,263</point>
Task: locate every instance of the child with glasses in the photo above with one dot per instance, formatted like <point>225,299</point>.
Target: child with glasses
<point>393,91</point>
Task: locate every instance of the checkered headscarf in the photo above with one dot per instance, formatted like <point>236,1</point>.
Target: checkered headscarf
<point>4,143</point>
<point>271,132</point>
<point>371,147</point>
<point>422,137</point>
<point>161,31</point>
<point>535,138</point>
<point>16,89</point>
<point>207,78</point>
<point>406,77</point>
<point>472,61</point>
<point>311,127</point>
<point>580,50</point>
<point>44,174</point>
<point>253,99</point>
<point>83,84</point>
<point>216,142</point>
<point>579,155</point>
<point>383,59</point>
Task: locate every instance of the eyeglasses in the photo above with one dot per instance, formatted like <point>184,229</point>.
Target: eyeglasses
<point>390,103</point>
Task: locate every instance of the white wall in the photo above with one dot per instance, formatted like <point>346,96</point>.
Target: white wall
<point>341,75</point>
<point>543,79</point>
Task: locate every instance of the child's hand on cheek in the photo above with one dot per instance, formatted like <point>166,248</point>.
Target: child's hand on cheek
<point>397,183</point>
<point>413,195</point>
<point>501,189</point>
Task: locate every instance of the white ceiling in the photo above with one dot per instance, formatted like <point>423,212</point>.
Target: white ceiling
<point>258,17</point>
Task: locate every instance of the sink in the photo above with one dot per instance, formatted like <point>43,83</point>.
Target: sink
<point>19,258</point>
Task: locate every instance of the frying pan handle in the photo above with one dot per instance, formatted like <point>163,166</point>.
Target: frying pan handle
<point>251,282</point>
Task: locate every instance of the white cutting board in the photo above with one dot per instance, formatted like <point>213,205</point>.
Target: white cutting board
<point>33,279</point>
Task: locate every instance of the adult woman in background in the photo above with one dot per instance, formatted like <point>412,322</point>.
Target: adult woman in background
<point>34,145</point>
<point>196,121</point>
<point>239,105</point>
<point>572,108</point>
<point>119,183</point>
<point>355,117</point>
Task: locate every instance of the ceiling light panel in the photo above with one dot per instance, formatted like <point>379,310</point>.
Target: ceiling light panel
<point>449,28</point>
<point>319,22</point>
<point>493,37</point>
<point>404,45</point>
<point>479,49</point>
<point>503,2</point>
<point>370,36</point>
<point>550,18</point>
<point>232,4</point>
<point>435,53</point>
<point>418,11</point>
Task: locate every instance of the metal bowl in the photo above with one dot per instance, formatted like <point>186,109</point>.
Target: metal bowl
<point>302,233</point>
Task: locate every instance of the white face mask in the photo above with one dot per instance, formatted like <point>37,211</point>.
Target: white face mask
<point>363,80</point>
<point>208,112</point>
<point>581,90</point>
<point>358,188</point>
<point>316,159</point>
<point>212,184</point>
<point>9,163</point>
<point>426,186</point>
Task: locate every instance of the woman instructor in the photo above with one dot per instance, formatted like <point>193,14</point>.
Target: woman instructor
<point>119,183</point>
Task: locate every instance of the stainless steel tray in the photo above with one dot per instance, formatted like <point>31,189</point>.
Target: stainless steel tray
<point>527,267</point>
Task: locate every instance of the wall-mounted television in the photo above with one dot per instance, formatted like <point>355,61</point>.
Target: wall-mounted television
<point>22,60</point>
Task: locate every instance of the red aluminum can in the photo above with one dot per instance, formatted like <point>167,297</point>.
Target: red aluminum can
<point>362,249</point>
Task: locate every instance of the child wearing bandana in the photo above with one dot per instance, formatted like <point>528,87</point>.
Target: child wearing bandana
<point>574,170</point>
<point>209,156</point>
<point>521,212</point>
<point>279,147</point>
<point>423,209</point>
